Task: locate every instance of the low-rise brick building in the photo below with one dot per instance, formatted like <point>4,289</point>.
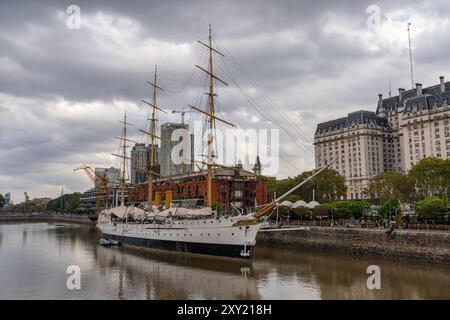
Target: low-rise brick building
<point>229,186</point>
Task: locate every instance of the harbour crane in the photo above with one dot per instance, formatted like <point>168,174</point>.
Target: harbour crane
<point>101,187</point>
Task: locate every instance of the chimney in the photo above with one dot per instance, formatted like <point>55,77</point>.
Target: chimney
<point>442,83</point>
<point>400,94</point>
<point>418,89</point>
<point>380,100</point>
<point>380,104</point>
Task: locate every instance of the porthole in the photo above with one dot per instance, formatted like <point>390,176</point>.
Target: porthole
<point>201,234</point>
<point>232,233</point>
<point>218,234</point>
<point>208,234</point>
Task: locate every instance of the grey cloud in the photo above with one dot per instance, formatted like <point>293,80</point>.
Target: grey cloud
<point>312,74</point>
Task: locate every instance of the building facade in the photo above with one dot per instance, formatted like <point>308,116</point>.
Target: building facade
<point>140,158</point>
<point>404,129</point>
<point>176,143</point>
<point>112,174</point>
<point>88,198</point>
<point>230,187</point>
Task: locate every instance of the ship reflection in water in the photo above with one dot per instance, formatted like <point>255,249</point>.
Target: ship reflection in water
<point>34,258</point>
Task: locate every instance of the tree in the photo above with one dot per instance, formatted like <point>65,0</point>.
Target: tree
<point>348,209</point>
<point>432,208</point>
<point>431,177</point>
<point>391,184</point>
<point>71,203</point>
<point>328,186</point>
<point>390,209</point>
<point>301,213</point>
<point>2,201</point>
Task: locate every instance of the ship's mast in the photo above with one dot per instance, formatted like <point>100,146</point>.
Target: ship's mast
<point>152,134</point>
<point>152,143</point>
<point>211,116</point>
<point>123,146</point>
<point>211,122</point>
<point>124,159</point>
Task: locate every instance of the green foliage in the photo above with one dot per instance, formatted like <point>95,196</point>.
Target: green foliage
<point>390,208</point>
<point>301,213</point>
<point>431,177</point>
<point>328,185</point>
<point>348,209</point>
<point>391,184</point>
<point>2,200</point>
<point>431,208</point>
<point>321,211</point>
<point>67,203</point>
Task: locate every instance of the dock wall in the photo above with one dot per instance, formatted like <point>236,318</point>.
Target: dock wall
<point>46,217</point>
<point>431,246</point>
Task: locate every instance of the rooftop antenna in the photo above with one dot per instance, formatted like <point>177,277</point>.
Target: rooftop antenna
<point>390,92</point>
<point>410,55</point>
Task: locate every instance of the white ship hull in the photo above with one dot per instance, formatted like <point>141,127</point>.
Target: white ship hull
<point>216,237</point>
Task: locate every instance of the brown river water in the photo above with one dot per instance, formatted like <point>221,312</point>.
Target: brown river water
<point>34,258</point>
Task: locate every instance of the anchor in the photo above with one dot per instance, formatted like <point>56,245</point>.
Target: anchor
<point>245,253</point>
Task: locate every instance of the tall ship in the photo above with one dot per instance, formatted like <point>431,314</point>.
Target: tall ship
<point>192,230</point>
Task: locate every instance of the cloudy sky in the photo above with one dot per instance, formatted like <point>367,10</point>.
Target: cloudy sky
<point>63,90</point>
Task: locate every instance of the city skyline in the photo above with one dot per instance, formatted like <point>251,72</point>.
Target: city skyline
<point>63,91</point>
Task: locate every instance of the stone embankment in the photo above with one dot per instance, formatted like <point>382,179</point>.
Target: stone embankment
<point>433,246</point>
<point>36,217</point>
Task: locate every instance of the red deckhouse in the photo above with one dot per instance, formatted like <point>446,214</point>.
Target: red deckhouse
<point>229,186</point>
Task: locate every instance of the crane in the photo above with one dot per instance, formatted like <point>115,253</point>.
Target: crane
<point>101,187</point>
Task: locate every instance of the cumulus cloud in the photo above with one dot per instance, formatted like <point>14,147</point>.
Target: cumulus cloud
<point>63,91</point>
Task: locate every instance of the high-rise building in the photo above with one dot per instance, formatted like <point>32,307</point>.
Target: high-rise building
<point>405,129</point>
<point>112,174</point>
<point>177,149</point>
<point>7,198</point>
<point>140,155</point>
<point>358,145</point>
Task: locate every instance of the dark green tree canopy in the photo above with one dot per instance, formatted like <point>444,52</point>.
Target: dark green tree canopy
<point>391,184</point>
<point>2,200</point>
<point>328,186</point>
<point>431,177</point>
